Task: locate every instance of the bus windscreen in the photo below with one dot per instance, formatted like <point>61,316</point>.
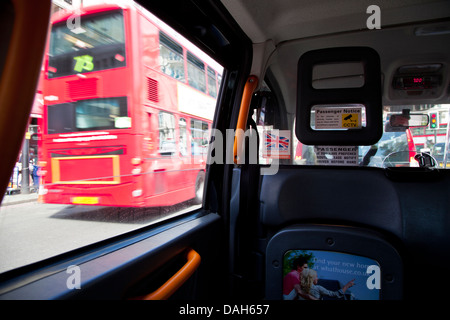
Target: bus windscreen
<point>95,42</point>
<point>91,114</point>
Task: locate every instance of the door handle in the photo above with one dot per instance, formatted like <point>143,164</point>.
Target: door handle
<point>177,280</point>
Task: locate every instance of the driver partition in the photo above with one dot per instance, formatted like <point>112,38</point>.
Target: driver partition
<point>331,216</point>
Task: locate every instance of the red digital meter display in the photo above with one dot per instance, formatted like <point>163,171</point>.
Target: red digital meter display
<point>418,83</point>
<point>413,82</point>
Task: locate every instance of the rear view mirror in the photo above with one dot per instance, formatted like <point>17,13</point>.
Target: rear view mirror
<point>408,120</point>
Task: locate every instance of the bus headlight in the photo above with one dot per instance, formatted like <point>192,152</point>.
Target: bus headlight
<point>42,191</point>
<point>136,170</point>
<point>136,161</point>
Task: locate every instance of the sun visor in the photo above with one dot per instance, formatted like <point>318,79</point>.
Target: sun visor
<point>339,97</point>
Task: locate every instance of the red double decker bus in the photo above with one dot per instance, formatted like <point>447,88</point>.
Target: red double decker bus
<point>128,110</point>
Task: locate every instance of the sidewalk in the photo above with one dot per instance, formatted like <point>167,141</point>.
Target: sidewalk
<point>18,198</point>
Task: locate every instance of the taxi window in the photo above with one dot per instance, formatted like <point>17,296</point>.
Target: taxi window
<point>397,147</point>
<point>104,156</point>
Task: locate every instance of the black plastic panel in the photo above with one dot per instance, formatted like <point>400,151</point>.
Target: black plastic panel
<point>368,95</point>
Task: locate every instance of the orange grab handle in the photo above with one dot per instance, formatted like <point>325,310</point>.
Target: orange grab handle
<point>177,280</point>
<point>19,78</point>
<point>249,88</point>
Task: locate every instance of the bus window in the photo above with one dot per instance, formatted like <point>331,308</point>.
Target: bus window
<point>183,137</point>
<point>171,57</point>
<point>196,72</point>
<point>166,133</point>
<point>60,118</point>
<point>212,89</point>
<point>199,132</point>
<point>85,115</point>
<point>97,44</point>
<point>219,80</point>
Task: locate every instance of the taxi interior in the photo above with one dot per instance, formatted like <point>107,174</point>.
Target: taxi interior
<point>396,217</point>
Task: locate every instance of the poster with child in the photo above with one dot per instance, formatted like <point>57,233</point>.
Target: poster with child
<point>333,275</point>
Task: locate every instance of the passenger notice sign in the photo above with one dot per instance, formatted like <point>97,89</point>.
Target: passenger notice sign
<point>348,117</point>
<point>337,155</point>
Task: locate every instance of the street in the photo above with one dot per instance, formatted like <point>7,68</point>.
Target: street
<point>32,231</point>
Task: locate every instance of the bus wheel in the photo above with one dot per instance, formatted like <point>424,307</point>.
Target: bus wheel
<point>199,186</point>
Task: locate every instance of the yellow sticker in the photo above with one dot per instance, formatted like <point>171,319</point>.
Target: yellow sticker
<point>350,120</point>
